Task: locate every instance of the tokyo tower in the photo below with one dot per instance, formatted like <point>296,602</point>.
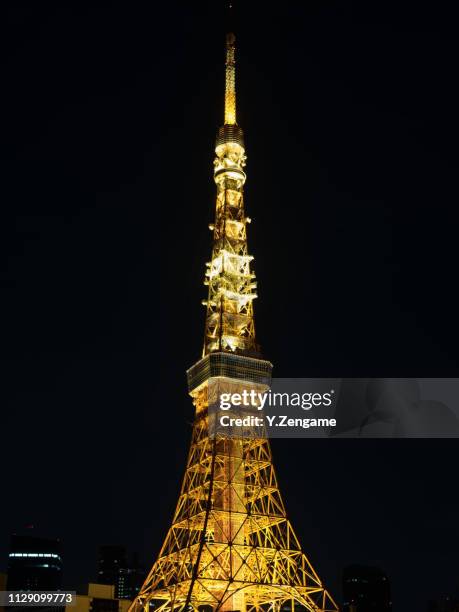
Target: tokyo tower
<point>230,545</point>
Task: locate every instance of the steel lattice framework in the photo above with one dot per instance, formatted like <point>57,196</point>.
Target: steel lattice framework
<point>231,545</point>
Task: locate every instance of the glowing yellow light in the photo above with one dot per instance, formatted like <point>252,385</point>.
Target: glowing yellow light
<point>230,83</point>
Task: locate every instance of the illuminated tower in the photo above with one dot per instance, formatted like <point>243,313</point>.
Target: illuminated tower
<point>230,546</point>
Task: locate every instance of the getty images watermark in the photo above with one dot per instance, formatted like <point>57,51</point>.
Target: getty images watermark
<point>263,400</point>
<point>339,407</point>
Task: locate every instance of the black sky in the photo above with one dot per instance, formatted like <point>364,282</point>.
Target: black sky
<point>109,118</point>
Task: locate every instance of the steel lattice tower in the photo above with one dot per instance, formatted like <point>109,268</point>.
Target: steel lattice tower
<point>231,545</point>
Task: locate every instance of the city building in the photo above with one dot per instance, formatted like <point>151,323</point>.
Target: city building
<point>34,564</point>
<point>100,598</point>
<point>130,580</point>
<point>110,560</point>
<point>115,569</point>
<point>365,589</point>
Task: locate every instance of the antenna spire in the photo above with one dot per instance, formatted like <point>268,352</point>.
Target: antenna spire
<point>230,81</point>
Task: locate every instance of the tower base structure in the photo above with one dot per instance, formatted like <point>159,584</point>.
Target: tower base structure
<point>231,546</point>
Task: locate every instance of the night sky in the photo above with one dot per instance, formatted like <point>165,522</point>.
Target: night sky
<point>109,119</point>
